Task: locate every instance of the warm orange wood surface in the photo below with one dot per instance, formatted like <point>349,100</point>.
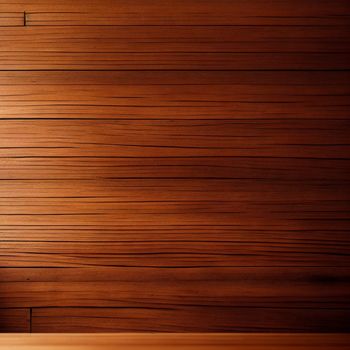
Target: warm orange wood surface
<point>211,341</point>
<point>175,166</point>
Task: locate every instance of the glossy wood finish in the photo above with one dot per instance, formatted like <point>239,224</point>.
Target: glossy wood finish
<point>175,166</point>
<point>209,341</point>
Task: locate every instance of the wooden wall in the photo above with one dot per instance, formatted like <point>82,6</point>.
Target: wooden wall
<point>174,165</point>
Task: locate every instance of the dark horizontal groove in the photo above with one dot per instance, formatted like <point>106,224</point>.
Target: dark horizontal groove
<point>166,253</point>
<point>37,147</point>
<point>143,226</point>
<point>41,267</point>
<point>88,242</point>
<point>187,157</point>
<point>175,307</point>
<point>183,201</point>
<point>175,267</point>
<point>170,227</point>
<point>263,179</point>
<point>50,214</point>
<point>187,305</point>
<point>162,201</point>
<point>106,307</point>
<point>198,120</point>
<point>321,182</point>
<point>34,24</point>
<point>174,70</point>
<point>191,52</point>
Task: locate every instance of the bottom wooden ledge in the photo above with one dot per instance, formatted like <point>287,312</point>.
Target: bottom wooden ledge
<point>174,341</point>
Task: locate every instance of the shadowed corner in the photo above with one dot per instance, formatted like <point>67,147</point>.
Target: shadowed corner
<point>12,320</point>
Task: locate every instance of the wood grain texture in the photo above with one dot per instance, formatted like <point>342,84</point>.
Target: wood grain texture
<point>316,98</point>
<point>315,140</point>
<point>195,319</point>
<point>267,79</point>
<point>173,288</point>
<point>182,162</point>
<point>14,320</point>
<point>181,12</point>
<point>80,212</point>
<point>11,19</point>
<point>196,47</point>
<point>183,250</point>
<point>28,60</point>
<point>210,341</point>
<point>204,39</point>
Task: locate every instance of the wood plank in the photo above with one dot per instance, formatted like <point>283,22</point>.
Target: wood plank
<point>303,82</point>
<point>171,234</point>
<point>264,253</point>
<point>11,19</point>
<point>130,209</point>
<point>144,101</point>
<point>197,12</point>
<point>312,276</point>
<point>173,246</point>
<point>28,60</point>
<point>181,39</point>
<point>182,47</point>
<point>126,190</point>
<point>285,168</point>
<point>208,341</point>
<point>301,142</point>
<point>189,319</point>
<point>14,320</point>
<point>101,211</point>
<point>180,245</point>
<point>167,288</point>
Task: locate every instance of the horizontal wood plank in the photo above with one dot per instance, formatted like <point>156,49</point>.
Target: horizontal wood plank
<point>14,320</point>
<point>315,100</point>
<point>188,319</point>
<point>28,60</point>
<point>240,275</point>
<point>11,19</point>
<point>305,143</point>
<point>138,190</point>
<point>181,39</point>
<point>164,233</point>
<point>80,212</point>
<point>163,288</point>
<point>273,232</point>
<point>176,246</point>
<point>192,341</point>
<point>197,12</point>
<point>269,168</point>
<point>303,81</point>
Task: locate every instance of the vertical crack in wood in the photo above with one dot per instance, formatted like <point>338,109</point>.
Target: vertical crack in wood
<point>24,18</point>
<point>30,319</point>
